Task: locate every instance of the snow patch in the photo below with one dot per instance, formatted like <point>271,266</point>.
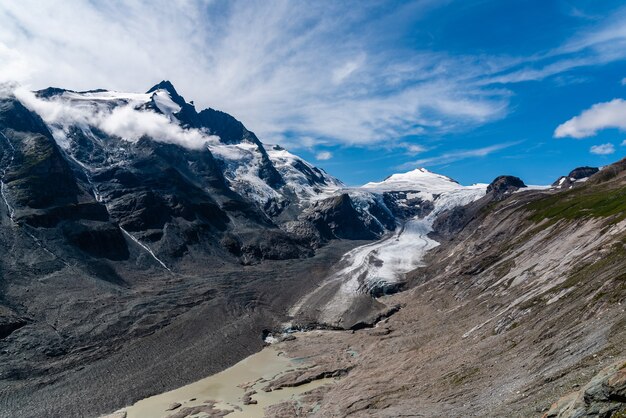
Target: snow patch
<point>530,187</point>
<point>165,104</point>
<point>306,181</point>
<point>242,163</point>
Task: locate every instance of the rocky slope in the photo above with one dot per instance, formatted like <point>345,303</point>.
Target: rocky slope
<point>522,303</point>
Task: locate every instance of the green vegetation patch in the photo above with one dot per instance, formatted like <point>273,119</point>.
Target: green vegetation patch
<point>582,202</point>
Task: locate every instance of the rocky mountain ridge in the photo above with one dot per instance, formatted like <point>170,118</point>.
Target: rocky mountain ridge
<point>166,173</point>
<point>141,230</point>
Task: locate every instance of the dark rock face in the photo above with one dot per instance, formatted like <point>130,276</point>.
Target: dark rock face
<point>336,217</point>
<point>229,129</point>
<point>314,175</point>
<point>450,222</point>
<point>582,172</point>
<point>576,174</point>
<point>98,239</point>
<point>402,206</point>
<point>38,177</point>
<point>9,322</point>
<point>503,185</point>
<point>172,197</point>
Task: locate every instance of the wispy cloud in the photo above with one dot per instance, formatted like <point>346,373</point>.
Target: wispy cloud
<point>453,156</point>
<point>294,72</point>
<point>603,149</point>
<point>289,70</point>
<point>600,116</point>
<point>601,44</point>
<point>323,156</point>
<point>414,149</point>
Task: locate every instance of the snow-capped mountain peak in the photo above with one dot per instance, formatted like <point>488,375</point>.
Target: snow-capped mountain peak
<point>305,180</point>
<point>419,179</point>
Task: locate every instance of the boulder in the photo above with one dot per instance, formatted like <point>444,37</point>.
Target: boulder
<point>603,396</point>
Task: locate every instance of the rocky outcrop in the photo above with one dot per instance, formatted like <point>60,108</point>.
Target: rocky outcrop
<point>337,217</point>
<point>405,205</point>
<point>247,398</point>
<point>207,409</point>
<point>302,377</point>
<point>580,173</point>
<point>10,322</point>
<point>610,172</point>
<point>503,185</point>
<point>603,396</point>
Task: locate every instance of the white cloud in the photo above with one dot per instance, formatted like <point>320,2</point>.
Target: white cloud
<point>323,156</point>
<point>125,122</point>
<point>15,66</point>
<point>453,156</point>
<point>623,144</point>
<point>343,72</point>
<point>624,81</point>
<point>287,71</point>
<point>415,148</point>
<point>604,149</point>
<point>600,116</point>
<point>319,71</point>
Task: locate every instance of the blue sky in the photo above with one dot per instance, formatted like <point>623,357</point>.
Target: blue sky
<point>470,89</point>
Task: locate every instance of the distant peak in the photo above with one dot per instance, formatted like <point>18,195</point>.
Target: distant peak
<point>418,179</point>
<point>418,173</point>
<point>51,92</point>
<point>582,172</point>
<point>505,185</point>
<point>169,87</point>
<point>418,170</point>
<point>164,85</point>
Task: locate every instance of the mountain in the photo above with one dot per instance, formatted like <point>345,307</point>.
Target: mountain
<point>518,312</point>
<point>149,244</point>
<point>416,180</point>
<point>130,216</point>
